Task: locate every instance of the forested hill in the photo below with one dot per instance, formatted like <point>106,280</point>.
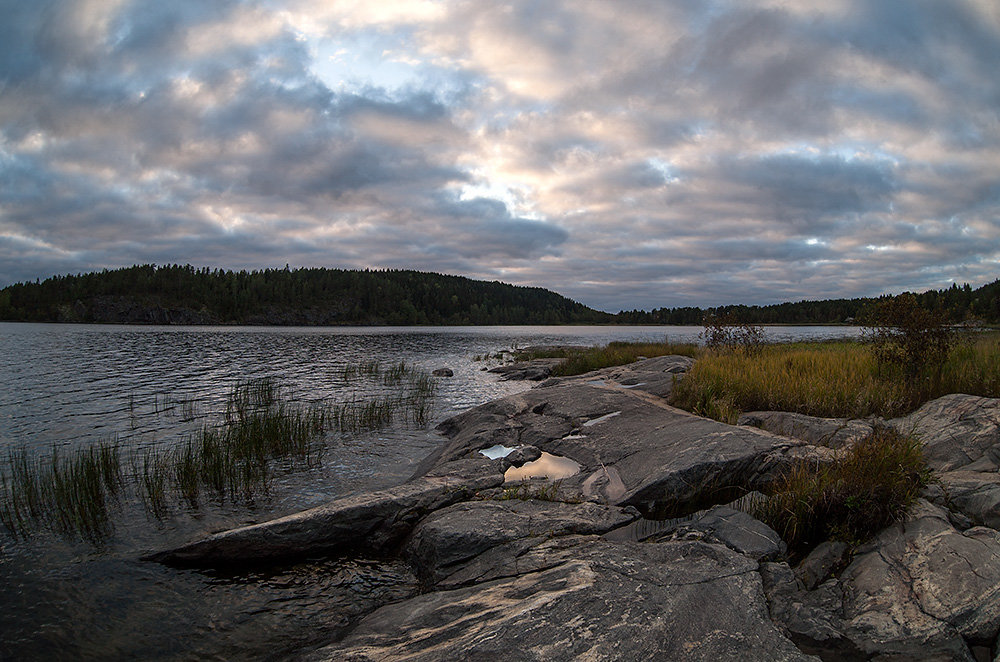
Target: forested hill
<point>176,294</point>
<point>959,304</point>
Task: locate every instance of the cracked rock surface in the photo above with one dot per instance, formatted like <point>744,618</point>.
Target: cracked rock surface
<point>600,601</point>
<point>558,573</point>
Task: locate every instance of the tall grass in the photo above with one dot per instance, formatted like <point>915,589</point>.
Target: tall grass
<point>69,493</point>
<point>76,493</point>
<point>581,360</point>
<point>833,379</point>
<point>872,485</point>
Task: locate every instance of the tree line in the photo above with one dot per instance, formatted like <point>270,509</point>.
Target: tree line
<point>956,304</point>
<point>175,294</point>
<point>184,294</point>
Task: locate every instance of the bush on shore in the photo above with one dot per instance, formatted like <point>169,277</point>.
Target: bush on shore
<point>871,486</point>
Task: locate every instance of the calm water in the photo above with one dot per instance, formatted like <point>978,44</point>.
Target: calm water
<point>67,386</point>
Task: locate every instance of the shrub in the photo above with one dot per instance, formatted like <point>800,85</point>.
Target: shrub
<point>907,336</point>
<point>725,332</point>
<point>871,486</point>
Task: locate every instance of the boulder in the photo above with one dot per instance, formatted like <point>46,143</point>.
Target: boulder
<point>821,562</point>
<point>925,582</point>
<point>443,372</point>
<point>375,522</point>
<point>734,529</point>
<point>920,590</point>
<point>959,432</point>
<point>975,494</point>
<point>601,600</point>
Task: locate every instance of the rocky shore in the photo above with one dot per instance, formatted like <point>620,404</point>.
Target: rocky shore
<point>638,550</point>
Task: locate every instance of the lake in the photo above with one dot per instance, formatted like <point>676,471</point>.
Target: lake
<point>66,387</point>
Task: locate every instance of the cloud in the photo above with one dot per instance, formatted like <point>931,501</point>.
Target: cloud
<point>635,154</point>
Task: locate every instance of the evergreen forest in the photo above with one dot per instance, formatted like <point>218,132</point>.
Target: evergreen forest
<point>175,294</point>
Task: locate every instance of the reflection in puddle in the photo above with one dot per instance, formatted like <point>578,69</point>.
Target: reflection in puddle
<point>497,452</point>
<point>548,466</point>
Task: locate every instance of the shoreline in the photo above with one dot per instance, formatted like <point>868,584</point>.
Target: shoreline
<point>475,545</point>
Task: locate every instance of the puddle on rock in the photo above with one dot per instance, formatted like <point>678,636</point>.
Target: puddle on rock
<point>548,466</point>
<point>497,452</point>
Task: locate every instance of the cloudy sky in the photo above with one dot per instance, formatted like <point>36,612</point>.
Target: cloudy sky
<point>627,154</point>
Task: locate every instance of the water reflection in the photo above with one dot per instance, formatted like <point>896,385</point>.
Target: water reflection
<point>552,467</point>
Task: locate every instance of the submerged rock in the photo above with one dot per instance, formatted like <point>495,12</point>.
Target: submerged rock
<point>376,522</point>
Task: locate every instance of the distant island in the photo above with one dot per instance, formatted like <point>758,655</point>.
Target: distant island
<point>175,294</point>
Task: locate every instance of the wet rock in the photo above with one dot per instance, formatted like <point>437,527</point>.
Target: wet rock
<point>446,540</point>
<point>443,372</point>
<point>521,456</point>
<point>534,370</point>
<point>602,600</point>
<point>830,432</point>
<point>821,562</point>
<point>958,432</point>
<point>375,522</point>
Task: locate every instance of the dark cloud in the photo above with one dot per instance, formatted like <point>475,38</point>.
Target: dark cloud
<point>640,154</point>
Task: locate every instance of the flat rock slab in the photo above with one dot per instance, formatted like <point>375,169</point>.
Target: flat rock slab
<point>830,432</point>
<point>448,540</point>
<point>534,370</point>
<point>633,448</point>
<point>733,528</point>
<point>375,522</point>
<point>602,601</point>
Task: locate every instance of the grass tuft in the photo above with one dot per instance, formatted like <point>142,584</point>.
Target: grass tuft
<point>870,487</point>
<point>75,494</point>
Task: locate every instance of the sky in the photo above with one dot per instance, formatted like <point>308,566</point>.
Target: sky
<point>626,154</point>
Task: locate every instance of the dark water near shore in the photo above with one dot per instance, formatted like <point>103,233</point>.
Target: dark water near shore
<point>68,386</point>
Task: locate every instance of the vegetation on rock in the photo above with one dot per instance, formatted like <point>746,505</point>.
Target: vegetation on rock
<point>872,485</point>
